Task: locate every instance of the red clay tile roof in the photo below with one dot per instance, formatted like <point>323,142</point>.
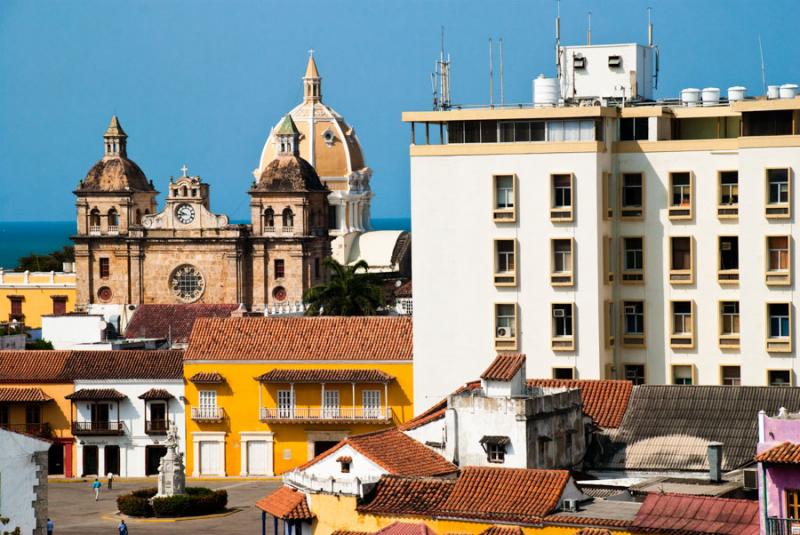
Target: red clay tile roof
<point>504,367</point>
<point>156,393</point>
<point>405,528</point>
<point>568,520</point>
<point>344,459</point>
<point>505,494</point>
<point>298,338</point>
<point>502,530</point>
<point>394,452</point>
<point>23,395</point>
<point>593,531</point>
<point>43,366</point>
<point>786,453</point>
<point>604,400</point>
<point>407,496</point>
<point>207,378</point>
<point>287,504</point>
<point>91,394</point>
<point>685,515</point>
<point>342,532</point>
<point>172,321</point>
<point>325,376</point>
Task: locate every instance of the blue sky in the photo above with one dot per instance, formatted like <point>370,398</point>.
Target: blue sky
<point>201,82</point>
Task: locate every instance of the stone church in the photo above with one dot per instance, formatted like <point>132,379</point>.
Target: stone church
<point>311,188</point>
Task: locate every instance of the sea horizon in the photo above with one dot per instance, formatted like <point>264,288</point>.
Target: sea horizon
<point>22,238</point>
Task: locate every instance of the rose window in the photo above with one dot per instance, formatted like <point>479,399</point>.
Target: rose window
<point>187,283</point>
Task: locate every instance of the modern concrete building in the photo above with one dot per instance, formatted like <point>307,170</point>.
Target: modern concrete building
<point>608,235</point>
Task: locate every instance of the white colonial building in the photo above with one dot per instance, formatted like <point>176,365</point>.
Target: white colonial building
<point>23,482</point>
<point>121,414</point>
<point>609,235</point>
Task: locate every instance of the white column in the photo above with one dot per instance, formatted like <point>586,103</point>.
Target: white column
<point>195,457</point>
<point>243,468</point>
<point>101,460</point>
<point>79,459</point>
<point>342,213</point>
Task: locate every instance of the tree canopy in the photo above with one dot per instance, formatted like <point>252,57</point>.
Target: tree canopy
<point>50,262</point>
<point>351,291</point>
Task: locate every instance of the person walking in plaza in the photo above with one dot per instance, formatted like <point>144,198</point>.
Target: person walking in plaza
<point>123,528</point>
<point>96,486</point>
<point>50,526</point>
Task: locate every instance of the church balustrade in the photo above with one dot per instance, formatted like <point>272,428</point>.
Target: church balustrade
<point>113,230</point>
<point>94,230</point>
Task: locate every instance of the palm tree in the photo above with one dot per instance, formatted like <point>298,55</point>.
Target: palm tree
<point>347,293</point>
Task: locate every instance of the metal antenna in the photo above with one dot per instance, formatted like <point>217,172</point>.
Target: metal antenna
<point>491,76</point>
<point>763,67</point>
<point>649,27</point>
<point>589,31</point>
<point>502,90</point>
<point>558,38</point>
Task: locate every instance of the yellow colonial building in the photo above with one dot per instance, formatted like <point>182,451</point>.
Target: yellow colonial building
<point>27,296</point>
<point>266,394</point>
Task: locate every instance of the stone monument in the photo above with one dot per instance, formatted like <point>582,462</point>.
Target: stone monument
<point>171,471</point>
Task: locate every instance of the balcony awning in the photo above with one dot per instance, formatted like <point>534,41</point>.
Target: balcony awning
<point>96,394</point>
<point>156,394</point>
<point>23,395</point>
<point>325,376</point>
<point>207,378</point>
<point>495,439</point>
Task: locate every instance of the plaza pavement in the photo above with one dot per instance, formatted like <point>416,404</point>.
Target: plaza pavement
<point>72,507</point>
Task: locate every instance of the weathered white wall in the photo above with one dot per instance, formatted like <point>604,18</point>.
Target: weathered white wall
<point>132,413</point>
<point>67,332</point>
<point>18,480</point>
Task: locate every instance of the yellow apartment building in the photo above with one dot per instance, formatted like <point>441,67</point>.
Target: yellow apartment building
<point>27,296</point>
<point>265,395</point>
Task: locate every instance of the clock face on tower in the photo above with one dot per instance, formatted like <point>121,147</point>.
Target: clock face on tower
<point>184,213</point>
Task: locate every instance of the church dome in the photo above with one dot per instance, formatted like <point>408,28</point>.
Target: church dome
<point>289,173</point>
<point>115,172</point>
<point>326,140</point>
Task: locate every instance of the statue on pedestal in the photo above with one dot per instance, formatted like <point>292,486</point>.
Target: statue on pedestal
<point>171,471</point>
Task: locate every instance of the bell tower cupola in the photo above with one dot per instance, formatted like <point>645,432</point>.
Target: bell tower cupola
<point>115,140</point>
<point>287,138</point>
<point>312,83</point>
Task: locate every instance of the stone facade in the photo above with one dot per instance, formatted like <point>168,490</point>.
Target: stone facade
<point>126,253</point>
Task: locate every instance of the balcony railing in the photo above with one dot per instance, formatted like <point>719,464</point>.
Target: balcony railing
<point>94,230</point>
<point>98,428</point>
<point>207,414</point>
<point>345,485</point>
<point>39,430</point>
<point>156,427</point>
<point>326,414</point>
<point>782,526</point>
<point>113,230</point>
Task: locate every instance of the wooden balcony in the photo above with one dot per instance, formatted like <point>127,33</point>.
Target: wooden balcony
<point>373,415</point>
<point>207,414</point>
<point>114,428</point>
<point>39,430</point>
<point>156,427</point>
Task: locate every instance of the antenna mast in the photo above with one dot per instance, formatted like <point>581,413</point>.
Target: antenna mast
<point>502,89</point>
<point>558,38</point>
<point>440,79</point>
<point>491,76</point>
<point>589,31</point>
<point>763,67</point>
<point>649,27</point>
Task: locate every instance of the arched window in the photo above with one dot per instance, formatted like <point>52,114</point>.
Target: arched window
<point>113,218</point>
<point>269,218</point>
<point>288,217</point>
<point>94,218</point>
<point>184,191</point>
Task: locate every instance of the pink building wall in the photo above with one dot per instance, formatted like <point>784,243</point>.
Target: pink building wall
<point>771,432</point>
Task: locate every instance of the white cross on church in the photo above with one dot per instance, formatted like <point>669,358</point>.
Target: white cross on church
<point>185,170</point>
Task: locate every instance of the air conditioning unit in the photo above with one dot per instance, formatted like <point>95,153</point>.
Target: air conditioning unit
<point>615,61</point>
<point>749,479</point>
<point>558,312</point>
<point>630,309</point>
<point>504,332</point>
<point>570,505</point>
<point>579,62</point>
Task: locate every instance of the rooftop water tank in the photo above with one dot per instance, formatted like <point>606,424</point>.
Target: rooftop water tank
<point>788,90</point>
<point>710,96</point>
<point>737,92</point>
<point>546,91</point>
<point>773,91</point>
<point>690,96</point>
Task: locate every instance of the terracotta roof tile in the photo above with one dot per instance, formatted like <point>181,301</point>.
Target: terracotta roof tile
<point>786,453</point>
<point>344,532</point>
<point>504,367</point>
<point>287,504</point>
<point>505,494</point>
<point>156,393</point>
<point>344,459</point>
<point>300,338</point>
<point>593,531</point>
<point>570,520</point>
<point>325,376</point>
<point>172,321</point>
<point>686,515</point>
<point>91,394</point>
<point>502,530</point>
<point>405,528</point>
<point>22,395</point>
<point>604,400</point>
<point>394,452</point>
<point>207,378</point>
<point>407,496</point>
<point>35,366</point>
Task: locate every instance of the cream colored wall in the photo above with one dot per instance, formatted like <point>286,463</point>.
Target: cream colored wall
<point>37,293</point>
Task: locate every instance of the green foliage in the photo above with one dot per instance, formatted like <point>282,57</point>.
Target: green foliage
<point>196,502</point>
<point>348,293</point>
<point>49,262</point>
<point>38,344</point>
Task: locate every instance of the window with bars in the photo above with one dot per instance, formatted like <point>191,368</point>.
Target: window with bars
<point>634,373</point>
<point>279,268</point>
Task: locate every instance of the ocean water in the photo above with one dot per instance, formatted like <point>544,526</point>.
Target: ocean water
<point>21,238</point>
